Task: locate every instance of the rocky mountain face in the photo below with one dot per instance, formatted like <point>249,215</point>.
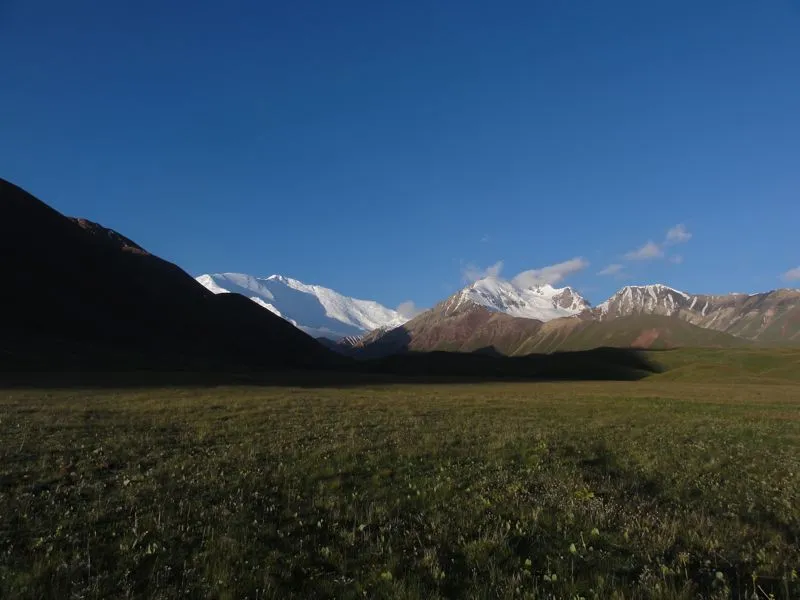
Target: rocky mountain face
<point>494,314</point>
<point>463,323</point>
<point>491,313</point>
<point>477,329</point>
<point>769,317</point>
<point>570,300</point>
<point>466,329</point>
<point>541,302</point>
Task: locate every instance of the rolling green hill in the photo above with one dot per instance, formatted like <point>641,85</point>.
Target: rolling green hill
<point>638,331</point>
<point>729,365</point>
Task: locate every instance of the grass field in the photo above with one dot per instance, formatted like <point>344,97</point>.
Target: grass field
<point>730,365</point>
<point>655,489</point>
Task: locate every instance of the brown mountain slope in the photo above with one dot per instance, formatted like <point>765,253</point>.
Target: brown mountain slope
<point>654,332</point>
<point>472,328</point>
<point>77,294</point>
<point>769,317</point>
<point>443,328</point>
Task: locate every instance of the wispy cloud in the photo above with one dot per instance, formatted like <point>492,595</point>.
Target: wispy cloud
<point>551,274</point>
<point>676,259</point>
<point>649,251</point>
<point>677,235</point>
<point>472,273</point>
<point>792,275</point>
<point>615,269</point>
<point>408,309</point>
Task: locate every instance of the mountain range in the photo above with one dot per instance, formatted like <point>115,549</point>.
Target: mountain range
<point>767,317</point>
<point>650,316</point>
<point>91,304</point>
<point>325,313</point>
<point>493,313</point>
<point>317,310</point>
<point>79,295</point>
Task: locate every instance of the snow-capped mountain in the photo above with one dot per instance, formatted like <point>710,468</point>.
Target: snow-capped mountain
<point>541,302</point>
<point>655,299</point>
<point>319,311</point>
<point>773,315</point>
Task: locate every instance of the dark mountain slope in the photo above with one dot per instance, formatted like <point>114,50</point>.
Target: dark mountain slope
<point>78,294</point>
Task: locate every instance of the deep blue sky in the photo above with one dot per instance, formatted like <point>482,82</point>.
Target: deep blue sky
<point>381,148</point>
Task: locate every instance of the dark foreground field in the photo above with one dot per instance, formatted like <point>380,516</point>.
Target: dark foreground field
<point>653,489</point>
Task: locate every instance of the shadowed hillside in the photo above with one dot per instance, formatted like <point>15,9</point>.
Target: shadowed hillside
<point>77,294</point>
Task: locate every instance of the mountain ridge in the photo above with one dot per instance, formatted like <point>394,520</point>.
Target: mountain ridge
<point>647,316</point>
<point>764,316</point>
<point>118,306</point>
<point>542,316</point>
<point>541,302</point>
<point>315,309</point>
<point>479,329</point>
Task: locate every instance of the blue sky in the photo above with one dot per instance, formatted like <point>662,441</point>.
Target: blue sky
<point>389,149</point>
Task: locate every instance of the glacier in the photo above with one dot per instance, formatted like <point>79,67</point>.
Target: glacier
<point>317,310</point>
<point>541,302</point>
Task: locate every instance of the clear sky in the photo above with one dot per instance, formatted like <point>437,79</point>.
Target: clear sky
<point>390,149</point>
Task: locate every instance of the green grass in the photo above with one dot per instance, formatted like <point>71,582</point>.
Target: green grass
<point>654,489</point>
<point>731,365</point>
<point>650,331</point>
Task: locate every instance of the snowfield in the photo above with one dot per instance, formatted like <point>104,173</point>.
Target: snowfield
<point>541,302</point>
<point>317,310</point>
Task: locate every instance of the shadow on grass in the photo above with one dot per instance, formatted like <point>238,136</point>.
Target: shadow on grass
<point>601,364</point>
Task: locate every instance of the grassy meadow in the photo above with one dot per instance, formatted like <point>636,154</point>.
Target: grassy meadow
<point>684,485</point>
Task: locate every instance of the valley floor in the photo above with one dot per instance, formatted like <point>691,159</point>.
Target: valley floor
<point>654,489</point>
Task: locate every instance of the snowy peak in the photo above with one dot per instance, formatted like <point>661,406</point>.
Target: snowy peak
<point>541,302</point>
<point>317,310</point>
<point>568,299</point>
<point>649,299</point>
<point>654,288</point>
<point>770,316</point>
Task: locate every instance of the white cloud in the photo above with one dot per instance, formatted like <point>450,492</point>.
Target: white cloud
<point>647,252</point>
<point>408,309</point>
<point>678,235</point>
<point>676,259</point>
<point>551,274</point>
<point>792,275</point>
<point>472,273</point>
<point>675,235</point>
<point>615,269</point>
